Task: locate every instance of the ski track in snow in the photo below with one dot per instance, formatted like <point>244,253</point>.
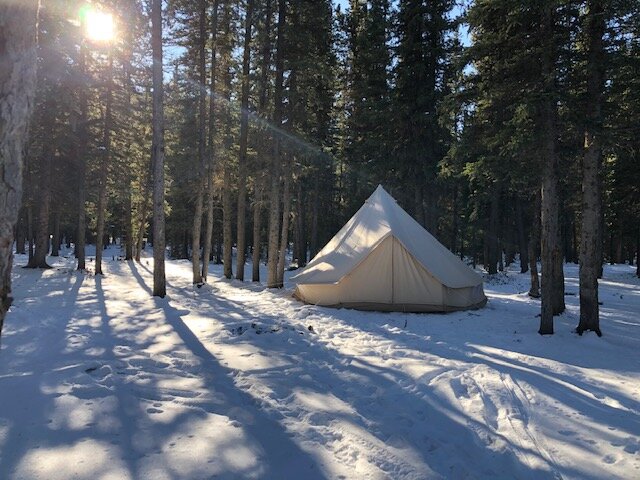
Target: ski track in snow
<point>231,380</point>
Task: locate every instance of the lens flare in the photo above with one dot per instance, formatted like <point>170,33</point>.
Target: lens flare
<point>98,25</point>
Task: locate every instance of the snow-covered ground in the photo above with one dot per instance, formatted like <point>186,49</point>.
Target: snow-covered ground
<point>99,380</point>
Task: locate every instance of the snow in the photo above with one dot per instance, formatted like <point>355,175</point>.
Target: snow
<point>99,380</point>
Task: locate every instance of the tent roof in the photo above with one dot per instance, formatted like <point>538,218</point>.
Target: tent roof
<point>379,217</point>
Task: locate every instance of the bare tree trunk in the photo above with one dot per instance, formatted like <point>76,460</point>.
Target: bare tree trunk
<point>157,153</point>
<point>274,197</point>
<point>638,253</point>
<point>590,257</point>
<point>206,249</point>
<point>227,226</point>
<point>262,143</point>
<point>550,242</point>
<point>227,203</point>
<point>242,157</point>
<point>314,248</point>
<point>142,220</point>
<point>202,154</point>
<point>39,259</point>
<point>30,231</point>
<point>300,243</point>
<point>128,214</point>
<point>208,229</point>
<point>257,227</point>
<point>534,244</point>
<point>21,232</point>
<point>104,169</point>
<point>55,241</point>
<point>18,26</point>
<point>454,220</point>
<point>82,130</point>
<point>522,238</point>
<point>286,213</point>
<point>492,240</point>
<point>128,225</point>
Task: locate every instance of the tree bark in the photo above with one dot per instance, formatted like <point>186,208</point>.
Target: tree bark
<point>274,196</point>
<point>522,239</point>
<point>202,153</point>
<point>300,241</point>
<point>549,200</point>
<point>286,213</point>
<point>257,227</point>
<point>314,247</point>
<point>18,27</point>
<point>21,233</point>
<point>454,220</point>
<point>55,241</point>
<point>39,259</point>
<point>208,236</point>
<point>259,183</point>
<point>104,168</point>
<point>492,239</point>
<point>227,202</point>
<point>242,156</point>
<point>157,153</point>
<point>533,247</point>
<point>590,257</point>
<point>638,253</point>
<point>81,162</point>
<point>227,215</point>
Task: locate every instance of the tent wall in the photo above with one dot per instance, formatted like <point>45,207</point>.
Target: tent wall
<point>391,279</point>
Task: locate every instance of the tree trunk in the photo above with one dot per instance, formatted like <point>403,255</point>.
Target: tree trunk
<point>81,162</point>
<point>208,230</point>
<point>202,154</point>
<point>104,169</point>
<point>522,239</point>
<point>18,26</point>
<point>208,236</point>
<point>274,197</point>
<point>21,233</point>
<point>55,241</point>
<point>142,220</point>
<point>257,227</point>
<point>242,157</point>
<point>128,225</point>
<point>558,274</point>
<point>265,69</point>
<point>533,247</point>
<point>227,202</point>
<point>157,153</point>
<point>30,232</point>
<point>590,257</point>
<point>454,220</point>
<point>313,237</point>
<point>286,212</point>
<point>492,240</point>
<point>39,259</point>
<point>300,245</point>
<point>638,253</point>
<point>227,215</point>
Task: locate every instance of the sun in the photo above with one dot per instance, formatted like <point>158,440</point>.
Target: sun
<point>98,25</point>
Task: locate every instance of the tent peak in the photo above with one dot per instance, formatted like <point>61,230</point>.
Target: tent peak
<point>380,193</point>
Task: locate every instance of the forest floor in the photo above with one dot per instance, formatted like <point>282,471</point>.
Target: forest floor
<point>99,380</point>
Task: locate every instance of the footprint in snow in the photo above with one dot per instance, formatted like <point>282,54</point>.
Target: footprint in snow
<point>154,410</point>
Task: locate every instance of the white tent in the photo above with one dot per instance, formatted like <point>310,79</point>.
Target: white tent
<point>382,259</point>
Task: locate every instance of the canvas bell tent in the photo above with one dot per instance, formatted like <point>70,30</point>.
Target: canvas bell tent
<point>382,259</point>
